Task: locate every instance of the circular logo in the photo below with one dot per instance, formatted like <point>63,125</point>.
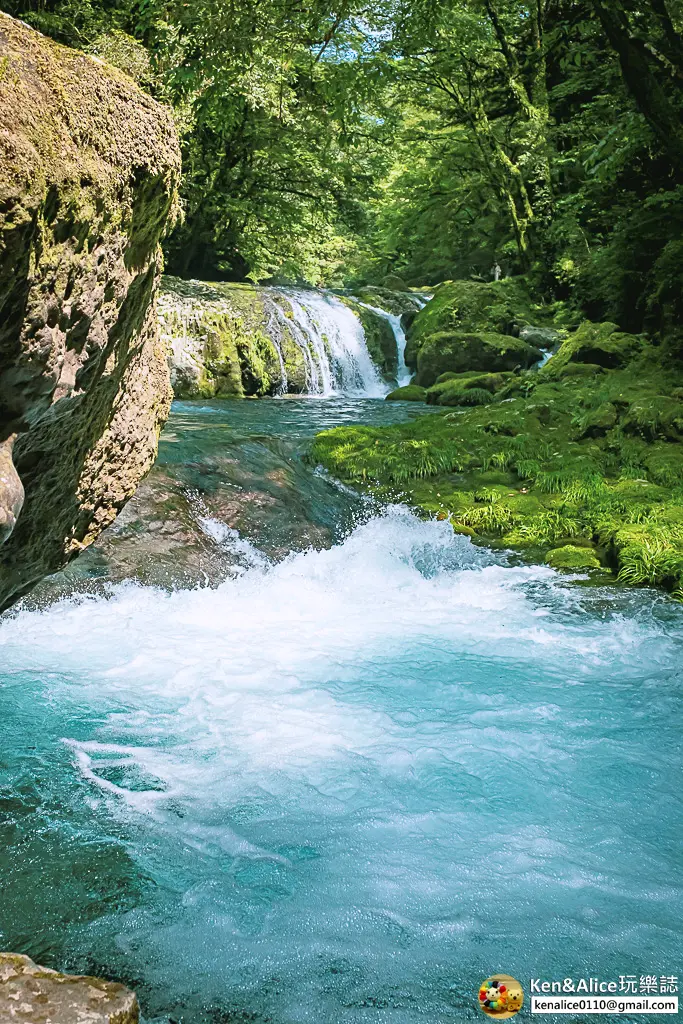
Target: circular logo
<point>500,996</point>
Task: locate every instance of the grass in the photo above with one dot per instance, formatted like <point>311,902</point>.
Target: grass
<point>551,458</point>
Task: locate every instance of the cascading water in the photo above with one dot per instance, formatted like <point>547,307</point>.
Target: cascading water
<point>346,783</point>
<point>403,374</point>
<point>332,341</point>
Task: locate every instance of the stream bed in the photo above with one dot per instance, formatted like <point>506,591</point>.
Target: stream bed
<point>272,753</point>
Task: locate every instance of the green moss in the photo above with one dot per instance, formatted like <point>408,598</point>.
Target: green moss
<point>379,338</point>
<point>569,556</point>
<point>408,393</point>
<point>466,388</point>
<point>595,345</point>
<point>549,462</point>
<point>465,307</point>
<point>455,353</point>
<point>455,392</point>
<point>220,334</point>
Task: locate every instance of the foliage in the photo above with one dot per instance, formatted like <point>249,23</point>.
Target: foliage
<point>524,468</point>
<point>354,142</point>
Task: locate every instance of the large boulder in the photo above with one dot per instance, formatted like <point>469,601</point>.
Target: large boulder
<point>30,994</point>
<point>600,345</point>
<point>407,393</point>
<point>500,307</point>
<point>457,352</point>
<point>89,166</point>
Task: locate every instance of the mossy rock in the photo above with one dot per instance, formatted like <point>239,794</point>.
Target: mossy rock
<point>219,341</point>
<point>394,283</point>
<point>89,171</point>
<point>500,307</point>
<point>599,421</point>
<point>654,416</point>
<point>572,557</point>
<point>571,370</point>
<point>409,393</point>
<point>592,344</point>
<point>396,302</point>
<point>444,352</point>
<point>466,389</point>
<point>379,338</point>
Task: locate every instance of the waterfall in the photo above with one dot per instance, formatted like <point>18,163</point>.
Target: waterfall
<point>420,299</point>
<point>331,340</point>
<point>403,374</point>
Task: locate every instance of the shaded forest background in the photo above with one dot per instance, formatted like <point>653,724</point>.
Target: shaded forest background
<point>341,143</point>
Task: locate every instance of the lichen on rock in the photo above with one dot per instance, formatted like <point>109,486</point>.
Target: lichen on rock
<point>89,166</point>
<point>30,994</point>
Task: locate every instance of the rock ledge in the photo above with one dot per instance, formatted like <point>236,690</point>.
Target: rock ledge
<point>30,994</point>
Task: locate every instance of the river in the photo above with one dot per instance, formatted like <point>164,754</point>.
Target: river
<point>273,753</point>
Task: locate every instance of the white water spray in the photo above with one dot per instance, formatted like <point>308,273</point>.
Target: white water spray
<point>332,341</point>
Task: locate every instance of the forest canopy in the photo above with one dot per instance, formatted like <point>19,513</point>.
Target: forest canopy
<point>339,143</point>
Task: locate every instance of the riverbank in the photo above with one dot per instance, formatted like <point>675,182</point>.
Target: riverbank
<point>579,462</point>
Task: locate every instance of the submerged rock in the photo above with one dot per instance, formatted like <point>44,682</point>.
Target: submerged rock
<point>30,994</point>
<point>89,166</point>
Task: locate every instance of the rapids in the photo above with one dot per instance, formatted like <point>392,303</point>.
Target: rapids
<point>348,782</point>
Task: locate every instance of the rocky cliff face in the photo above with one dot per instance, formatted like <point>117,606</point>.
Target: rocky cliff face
<point>88,172</point>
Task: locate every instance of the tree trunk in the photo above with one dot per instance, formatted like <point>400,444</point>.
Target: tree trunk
<point>639,74</point>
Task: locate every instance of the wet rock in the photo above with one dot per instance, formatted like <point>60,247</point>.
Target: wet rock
<point>30,994</point>
<point>89,167</point>
<point>541,337</point>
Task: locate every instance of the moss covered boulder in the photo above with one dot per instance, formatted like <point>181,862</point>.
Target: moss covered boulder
<point>408,393</point>
<point>600,345</point>
<point>456,352</point>
<point>474,307</point>
<point>466,388</point>
<point>30,994</point>
<point>89,167</point>
<point>570,556</point>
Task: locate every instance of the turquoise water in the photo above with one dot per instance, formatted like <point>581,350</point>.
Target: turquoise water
<point>345,784</point>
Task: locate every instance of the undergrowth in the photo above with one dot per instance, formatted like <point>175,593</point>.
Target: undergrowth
<point>550,459</point>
